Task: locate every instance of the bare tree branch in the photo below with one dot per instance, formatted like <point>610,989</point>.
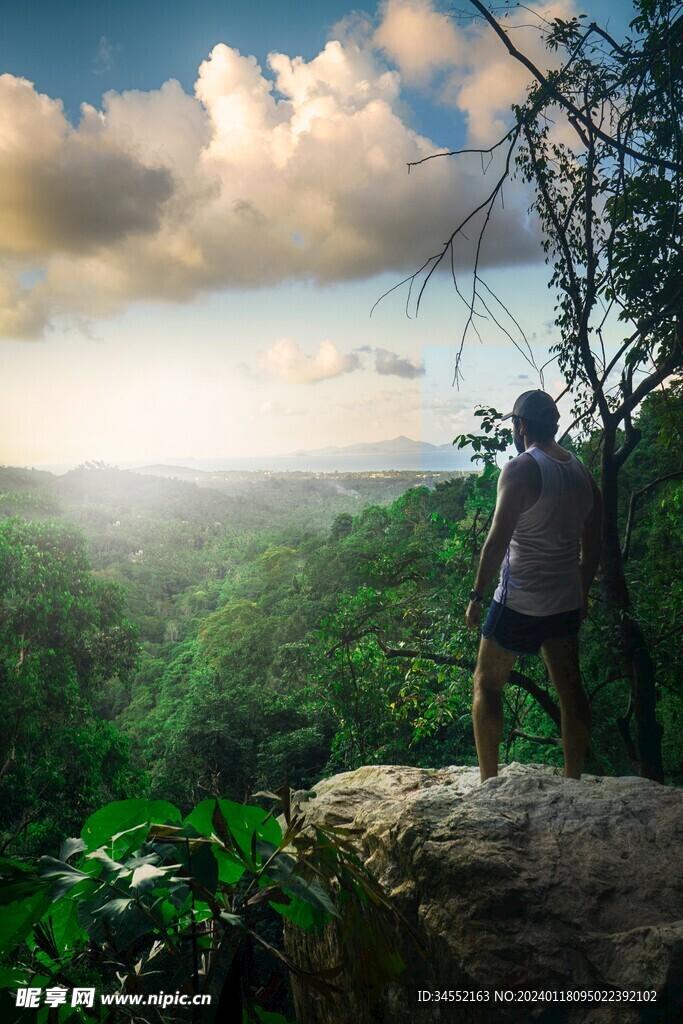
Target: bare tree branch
<point>576,112</point>
<point>548,741</point>
<point>517,678</point>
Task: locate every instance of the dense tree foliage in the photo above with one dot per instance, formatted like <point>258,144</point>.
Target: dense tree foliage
<point>294,652</point>
<point>63,633</point>
<point>265,655</point>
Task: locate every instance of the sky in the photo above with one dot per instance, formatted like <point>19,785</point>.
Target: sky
<point>201,204</point>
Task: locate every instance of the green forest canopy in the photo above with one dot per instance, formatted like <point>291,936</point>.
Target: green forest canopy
<point>172,651</point>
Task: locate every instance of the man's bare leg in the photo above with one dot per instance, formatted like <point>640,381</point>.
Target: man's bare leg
<point>490,676</point>
<point>562,661</point>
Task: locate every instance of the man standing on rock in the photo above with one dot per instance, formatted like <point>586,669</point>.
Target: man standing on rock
<point>546,534</point>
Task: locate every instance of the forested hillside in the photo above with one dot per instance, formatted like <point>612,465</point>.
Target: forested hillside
<point>173,641</point>
<point>111,575</point>
<point>173,657</point>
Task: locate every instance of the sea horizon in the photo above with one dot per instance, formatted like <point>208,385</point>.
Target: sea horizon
<point>430,461</point>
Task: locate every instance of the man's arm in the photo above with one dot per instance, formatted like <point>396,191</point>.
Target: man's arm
<point>514,484</point>
<point>591,540</point>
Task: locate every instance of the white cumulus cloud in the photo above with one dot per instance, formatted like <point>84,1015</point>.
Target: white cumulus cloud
<point>464,62</point>
<point>419,39</point>
<point>286,361</point>
<point>295,171</point>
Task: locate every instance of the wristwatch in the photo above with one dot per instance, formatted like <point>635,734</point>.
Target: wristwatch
<point>474,596</point>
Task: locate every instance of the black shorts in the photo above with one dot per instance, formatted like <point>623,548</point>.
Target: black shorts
<point>525,634</point>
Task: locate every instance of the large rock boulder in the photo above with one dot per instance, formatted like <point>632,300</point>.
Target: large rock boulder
<point>530,883</point>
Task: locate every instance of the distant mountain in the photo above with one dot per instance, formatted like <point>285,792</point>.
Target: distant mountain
<point>397,446</point>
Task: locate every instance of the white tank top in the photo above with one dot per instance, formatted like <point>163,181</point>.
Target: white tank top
<point>540,574</point>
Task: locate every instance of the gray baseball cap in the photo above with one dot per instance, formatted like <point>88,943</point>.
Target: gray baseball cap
<point>535,406</point>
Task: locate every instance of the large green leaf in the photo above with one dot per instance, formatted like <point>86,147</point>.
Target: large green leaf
<point>19,880</point>
<point>309,906</point>
<point>126,842</point>
<point>12,977</point>
<point>119,919</point>
<point>242,820</point>
<point>109,868</point>
<point>61,877</point>
<point>166,911</point>
<point>239,826</point>
<point>148,876</point>
<point>13,890</point>
<point>204,867</point>
<point>63,917</point>
<point>280,865</point>
<point>234,921</point>
<point>17,919</point>
<point>230,869</point>
<point>111,822</point>
<point>231,865</point>
<point>70,847</point>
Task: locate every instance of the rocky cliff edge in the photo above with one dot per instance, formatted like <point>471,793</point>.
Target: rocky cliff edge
<point>528,884</point>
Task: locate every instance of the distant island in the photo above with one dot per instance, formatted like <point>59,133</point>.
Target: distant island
<point>395,454</point>
<point>397,446</point>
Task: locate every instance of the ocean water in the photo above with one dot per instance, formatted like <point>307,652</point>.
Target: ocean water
<point>435,462</point>
<point>369,462</point>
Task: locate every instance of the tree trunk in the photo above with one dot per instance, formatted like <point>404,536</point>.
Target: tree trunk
<point>631,643</point>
